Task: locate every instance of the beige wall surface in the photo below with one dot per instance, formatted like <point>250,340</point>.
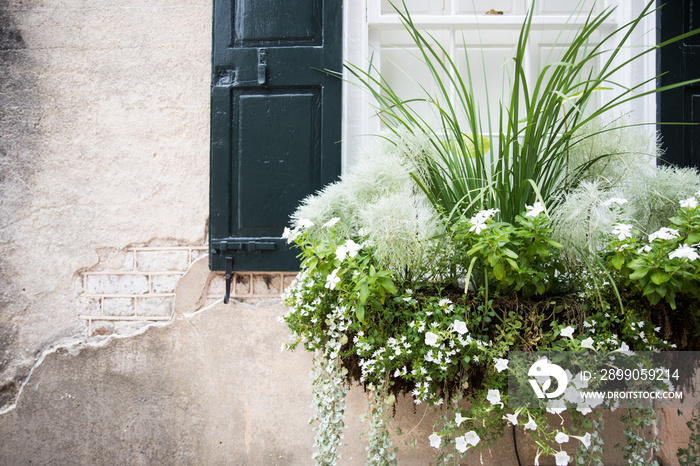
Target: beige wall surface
<point>104,144</point>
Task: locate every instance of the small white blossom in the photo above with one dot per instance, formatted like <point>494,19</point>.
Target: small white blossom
<point>646,248</point>
<point>567,332</point>
<point>494,396</point>
<point>562,458</point>
<point>684,252</point>
<point>431,339</point>
<point>501,364</point>
<point>531,424</point>
<point>332,280</point>
<point>534,210</point>
<point>689,203</point>
<point>460,327</point>
<point>472,438</point>
<point>586,439</point>
<point>561,437</point>
<point>512,418</point>
<point>664,233</point>
<point>622,231</point>
<point>435,440</point>
<point>459,419</point>
<point>587,343</point>
<point>461,444</point>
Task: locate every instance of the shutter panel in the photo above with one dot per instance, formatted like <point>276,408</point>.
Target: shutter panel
<point>275,123</point>
<point>680,61</point>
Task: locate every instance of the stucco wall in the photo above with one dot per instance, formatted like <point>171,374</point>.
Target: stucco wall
<point>104,129</point>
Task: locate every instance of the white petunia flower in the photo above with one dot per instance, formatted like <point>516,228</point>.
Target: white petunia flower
<point>622,231</point>
<point>587,343</point>
<point>562,458</point>
<point>501,364</point>
<point>472,438</point>
<point>431,339</point>
<point>435,440</point>
<point>461,444</point>
<point>689,203</point>
<point>684,252</point>
<point>494,396</point>
<point>460,327</point>
<point>535,210</point>
<point>459,419</point>
<point>478,226</point>
<point>556,406</point>
<point>567,332</point>
<point>512,418</point>
<point>331,222</point>
<point>561,437</point>
<point>531,424</point>
<point>664,233</point>
<point>586,439</point>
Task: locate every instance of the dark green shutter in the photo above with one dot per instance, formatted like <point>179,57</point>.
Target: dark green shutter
<point>679,61</point>
<point>275,123</point>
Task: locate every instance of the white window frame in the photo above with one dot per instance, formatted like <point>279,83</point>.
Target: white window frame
<point>362,22</point>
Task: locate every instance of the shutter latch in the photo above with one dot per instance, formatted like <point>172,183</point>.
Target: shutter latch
<point>229,278</point>
<point>262,66</point>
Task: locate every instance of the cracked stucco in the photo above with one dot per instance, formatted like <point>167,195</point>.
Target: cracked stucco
<point>103,144</point>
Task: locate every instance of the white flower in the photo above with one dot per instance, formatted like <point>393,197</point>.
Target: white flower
<point>614,200</point>
<point>460,327</point>
<point>684,252</point>
<point>290,235</point>
<point>567,332</point>
<point>624,349</point>
<point>331,222</point>
<point>512,418</point>
<point>664,233</point>
<point>305,223</point>
<point>435,440</point>
<point>622,231</point>
<point>478,226</point>
<point>556,406</point>
<point>444,302</point>
<point>531,424</point>
<point>461,444</point>
<point>501,364</point>
<point>586,439</point>
<point>459,419</point>
<point>332,280</point>
<point>587,343</point>
<point>431,339</point>
<point>562,458</point>
<point>494,396</point>
<point>535,210</point>
<point>646,248</point>
<point>689,203</point>
<point>561,437</point>
<point>349,248</point>
<point>472,438</point>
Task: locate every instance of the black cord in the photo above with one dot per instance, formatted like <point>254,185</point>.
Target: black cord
<point>515,446</point>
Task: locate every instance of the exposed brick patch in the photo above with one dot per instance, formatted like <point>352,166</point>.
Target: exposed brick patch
<point>136,288</point>
<point>250,285</point>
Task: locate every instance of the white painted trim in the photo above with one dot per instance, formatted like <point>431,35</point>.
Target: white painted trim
<point>362,22</point>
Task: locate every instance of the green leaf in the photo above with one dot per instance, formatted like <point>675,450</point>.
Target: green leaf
<point>660,277</point>
<point>617,261</point>
<point>499,270</point>
<point>640,273</point>
<point>360,312</point>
